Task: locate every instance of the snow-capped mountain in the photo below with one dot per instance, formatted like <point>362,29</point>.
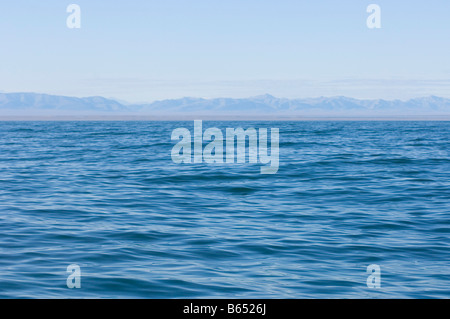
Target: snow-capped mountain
<point>28,104</point>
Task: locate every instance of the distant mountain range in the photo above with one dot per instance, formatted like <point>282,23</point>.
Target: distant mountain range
<point>32,104</point>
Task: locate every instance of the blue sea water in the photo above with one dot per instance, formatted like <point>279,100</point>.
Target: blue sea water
<point>107,197</point>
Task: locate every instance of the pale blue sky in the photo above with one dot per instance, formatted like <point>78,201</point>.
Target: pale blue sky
<point>140,50</point>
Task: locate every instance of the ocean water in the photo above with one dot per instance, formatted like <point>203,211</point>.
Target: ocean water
<point>106,196</point>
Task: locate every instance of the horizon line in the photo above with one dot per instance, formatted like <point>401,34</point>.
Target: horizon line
<point>122,101</point>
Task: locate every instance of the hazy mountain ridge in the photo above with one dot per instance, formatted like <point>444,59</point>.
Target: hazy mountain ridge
<point>33,103</point>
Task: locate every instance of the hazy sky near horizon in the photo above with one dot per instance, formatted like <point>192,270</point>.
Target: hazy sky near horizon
<point>143,50</point>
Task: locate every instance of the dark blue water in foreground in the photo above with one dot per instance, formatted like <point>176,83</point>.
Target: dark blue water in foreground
<point>107,196</point>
